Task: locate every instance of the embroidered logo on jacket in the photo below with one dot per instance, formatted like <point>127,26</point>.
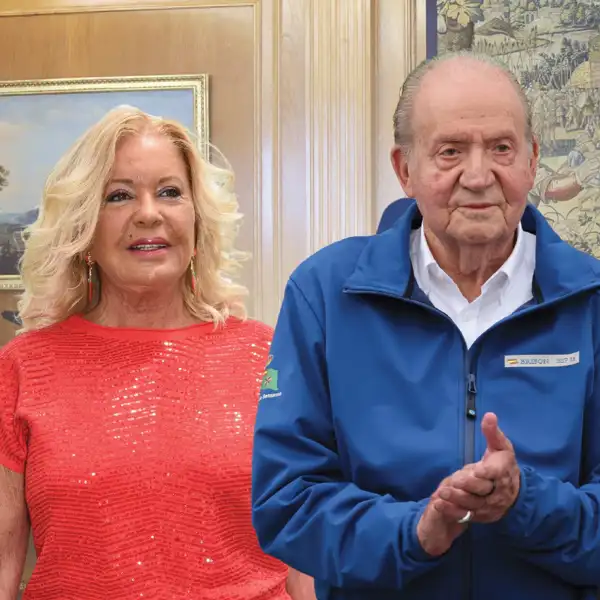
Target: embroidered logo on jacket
<point>269,381</point>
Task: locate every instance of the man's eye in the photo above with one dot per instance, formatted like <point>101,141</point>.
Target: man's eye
<point>449,152</point>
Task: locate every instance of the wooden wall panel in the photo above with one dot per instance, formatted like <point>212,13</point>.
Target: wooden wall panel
<point>325,64</point>
<point>400,46</point>
<point>37,7</point>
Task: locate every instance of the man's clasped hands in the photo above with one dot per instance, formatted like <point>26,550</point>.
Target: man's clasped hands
<point>479,493</point>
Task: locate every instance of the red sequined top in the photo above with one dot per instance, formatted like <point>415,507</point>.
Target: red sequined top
<point>136,449</point>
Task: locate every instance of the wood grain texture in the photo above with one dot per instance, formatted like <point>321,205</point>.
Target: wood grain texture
<point>340,80</point>
<point>400,41</point>
<point>40,7</point>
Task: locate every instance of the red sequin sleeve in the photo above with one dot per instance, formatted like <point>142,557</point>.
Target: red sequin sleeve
<point>13,443</point>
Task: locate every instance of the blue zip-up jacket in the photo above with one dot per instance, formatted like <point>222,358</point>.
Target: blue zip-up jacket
<point>371,398</point>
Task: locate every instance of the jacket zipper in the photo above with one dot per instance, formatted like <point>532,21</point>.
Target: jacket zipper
<point>471,416</point>
<point>468,458</point>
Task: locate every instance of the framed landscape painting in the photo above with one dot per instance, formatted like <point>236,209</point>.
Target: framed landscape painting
<point>553,47</point>
<point>9,322</point>
<point>41,119</point>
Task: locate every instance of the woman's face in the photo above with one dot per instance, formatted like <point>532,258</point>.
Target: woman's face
<point>145,234</point>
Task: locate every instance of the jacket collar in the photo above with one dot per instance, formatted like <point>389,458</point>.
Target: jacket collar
<point>384,265</point>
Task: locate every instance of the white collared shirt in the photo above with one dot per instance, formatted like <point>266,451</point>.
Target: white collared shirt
<point>506,290</point>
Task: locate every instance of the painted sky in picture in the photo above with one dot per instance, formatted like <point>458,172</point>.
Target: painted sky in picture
<point>36,129</point>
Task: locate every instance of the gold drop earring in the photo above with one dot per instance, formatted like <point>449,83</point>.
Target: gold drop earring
<point>193,272</point>
<point>90,281</point>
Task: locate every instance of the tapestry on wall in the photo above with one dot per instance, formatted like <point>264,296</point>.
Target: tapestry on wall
<point>553,47</point>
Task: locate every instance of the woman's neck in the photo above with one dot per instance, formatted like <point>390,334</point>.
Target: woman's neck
<point>146,310</point>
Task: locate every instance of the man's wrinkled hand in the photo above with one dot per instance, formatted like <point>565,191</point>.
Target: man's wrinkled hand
<point>438,526</point>
<point>463,492</point>
<point>490,487</point>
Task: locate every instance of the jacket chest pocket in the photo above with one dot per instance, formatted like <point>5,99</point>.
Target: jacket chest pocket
<point>540,403</point>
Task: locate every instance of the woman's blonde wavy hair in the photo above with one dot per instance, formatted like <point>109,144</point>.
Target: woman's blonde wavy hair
<point>53,265</point>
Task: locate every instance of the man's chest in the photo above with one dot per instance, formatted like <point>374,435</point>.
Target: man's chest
<point>414,402</point>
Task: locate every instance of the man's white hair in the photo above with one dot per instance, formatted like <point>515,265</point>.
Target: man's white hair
<point>403,115</point>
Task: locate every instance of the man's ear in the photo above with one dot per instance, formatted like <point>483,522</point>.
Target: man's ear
<point>400,164</point>
<point>535,156</point>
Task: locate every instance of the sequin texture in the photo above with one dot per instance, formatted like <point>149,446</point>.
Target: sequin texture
<point>136,449</point>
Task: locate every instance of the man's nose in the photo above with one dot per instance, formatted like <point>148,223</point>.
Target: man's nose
<point>477,171</point>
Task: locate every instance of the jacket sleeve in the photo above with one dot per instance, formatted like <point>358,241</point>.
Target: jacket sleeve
<point>556,525</point>
<point>304,511</point>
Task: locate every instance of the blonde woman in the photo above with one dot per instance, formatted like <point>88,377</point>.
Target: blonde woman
<point>127,404</point>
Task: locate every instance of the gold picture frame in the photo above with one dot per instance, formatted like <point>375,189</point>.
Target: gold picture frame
<point>40,119</point>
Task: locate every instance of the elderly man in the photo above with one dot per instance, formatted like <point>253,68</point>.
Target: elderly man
<point>429,424</point>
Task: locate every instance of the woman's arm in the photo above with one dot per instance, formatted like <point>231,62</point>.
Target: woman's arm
<point>14,532</point>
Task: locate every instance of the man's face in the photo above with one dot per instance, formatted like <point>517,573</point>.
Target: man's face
<point>471,167</point>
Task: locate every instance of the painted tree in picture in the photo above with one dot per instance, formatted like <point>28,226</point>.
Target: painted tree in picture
<point>3,177</point>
